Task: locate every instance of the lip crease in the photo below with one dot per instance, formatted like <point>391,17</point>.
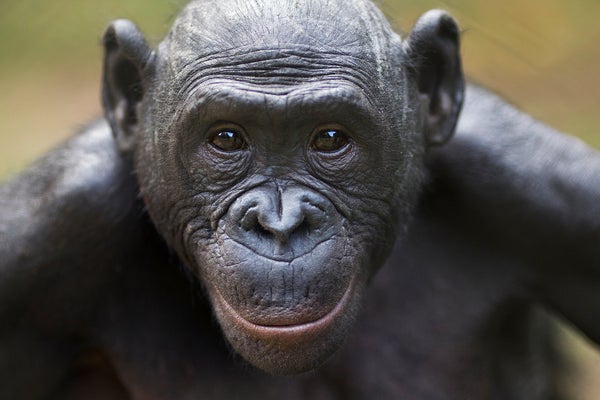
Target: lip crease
<point>287,255</point>
<point>288,330</point>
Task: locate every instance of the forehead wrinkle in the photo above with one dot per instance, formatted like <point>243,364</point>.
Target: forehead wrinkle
<point>226,95</point>
<point>279,69</point>
<point>338,90</point>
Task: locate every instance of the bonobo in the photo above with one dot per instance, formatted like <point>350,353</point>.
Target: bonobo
<point>275,206</point>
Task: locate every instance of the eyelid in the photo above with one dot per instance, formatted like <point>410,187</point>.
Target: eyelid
<point>224,126</point>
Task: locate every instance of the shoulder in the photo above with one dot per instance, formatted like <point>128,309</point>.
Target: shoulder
<point>85,160</point>
<point>495,140</point>
<point>507,171</point>
<point>81,188</point>
<point>86,168</point>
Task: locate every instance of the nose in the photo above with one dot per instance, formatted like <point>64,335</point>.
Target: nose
<point>281,216</point>
<point>267,216</point>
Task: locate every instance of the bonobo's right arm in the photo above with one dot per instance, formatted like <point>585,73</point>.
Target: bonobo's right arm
<point>68,225</point>
<point>531,193</point>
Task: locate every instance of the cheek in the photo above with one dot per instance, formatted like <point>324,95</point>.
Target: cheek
<point>214,173</point>
<point>177,208</point>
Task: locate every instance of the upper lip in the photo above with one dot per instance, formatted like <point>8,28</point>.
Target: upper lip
<point>287,255</point>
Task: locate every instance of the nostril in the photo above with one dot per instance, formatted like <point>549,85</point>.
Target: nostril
<point>249,220</point>
<point>297,222</point>
<point>262,231</point>
<point>262,218</point>
<point>315,216</point>
<point>265,224</point>
<point>304,228</point>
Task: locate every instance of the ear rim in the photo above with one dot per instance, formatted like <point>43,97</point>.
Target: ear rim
<point>124,43</point>
<point>436,36</point>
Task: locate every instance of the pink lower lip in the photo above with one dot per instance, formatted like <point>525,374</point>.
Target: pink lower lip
<point>287,330</point>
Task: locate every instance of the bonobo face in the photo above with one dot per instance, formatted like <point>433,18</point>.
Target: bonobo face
<point>276,153</point>
<point>285,201</point>
<point>285,238</point>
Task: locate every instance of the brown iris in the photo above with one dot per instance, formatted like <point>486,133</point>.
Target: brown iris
<point>329,140</point>
<point>228,140</point>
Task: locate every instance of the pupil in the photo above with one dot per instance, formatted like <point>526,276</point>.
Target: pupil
<point>228,140</point>
<point>227,135</point>
<point>330,140</point>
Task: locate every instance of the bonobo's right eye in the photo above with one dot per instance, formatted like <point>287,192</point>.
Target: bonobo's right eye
<point>227,138</point>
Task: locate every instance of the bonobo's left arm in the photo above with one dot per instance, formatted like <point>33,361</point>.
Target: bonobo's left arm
<point>535,194</point>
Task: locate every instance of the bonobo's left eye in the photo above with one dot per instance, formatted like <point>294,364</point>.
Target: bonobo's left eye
<point>329,140</point>
<point>227,138</point>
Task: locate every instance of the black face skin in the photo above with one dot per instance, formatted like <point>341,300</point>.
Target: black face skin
<point>282,173</point>
<point>294,160</point>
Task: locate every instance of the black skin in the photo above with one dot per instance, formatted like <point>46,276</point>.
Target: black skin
<point>273,208</point>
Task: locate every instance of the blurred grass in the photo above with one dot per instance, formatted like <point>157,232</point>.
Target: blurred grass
<point>542,55</point>
<point>50,63</point>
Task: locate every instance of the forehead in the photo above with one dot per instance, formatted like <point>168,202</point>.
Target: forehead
<point>218,25</point>
<point>276,43</point>
<point>297,28</point>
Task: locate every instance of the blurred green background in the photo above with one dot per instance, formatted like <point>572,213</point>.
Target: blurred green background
<point>543,55</point>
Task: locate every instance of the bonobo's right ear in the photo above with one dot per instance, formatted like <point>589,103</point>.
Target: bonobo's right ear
<point>433,61</point>
<point>127,65</point>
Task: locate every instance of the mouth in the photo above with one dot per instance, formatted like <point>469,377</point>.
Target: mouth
<point>285,332</point>
<point>291,348</point>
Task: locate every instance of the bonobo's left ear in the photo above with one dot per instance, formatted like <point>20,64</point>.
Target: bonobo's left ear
<point>434,62</point>
<point>127,65</point>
